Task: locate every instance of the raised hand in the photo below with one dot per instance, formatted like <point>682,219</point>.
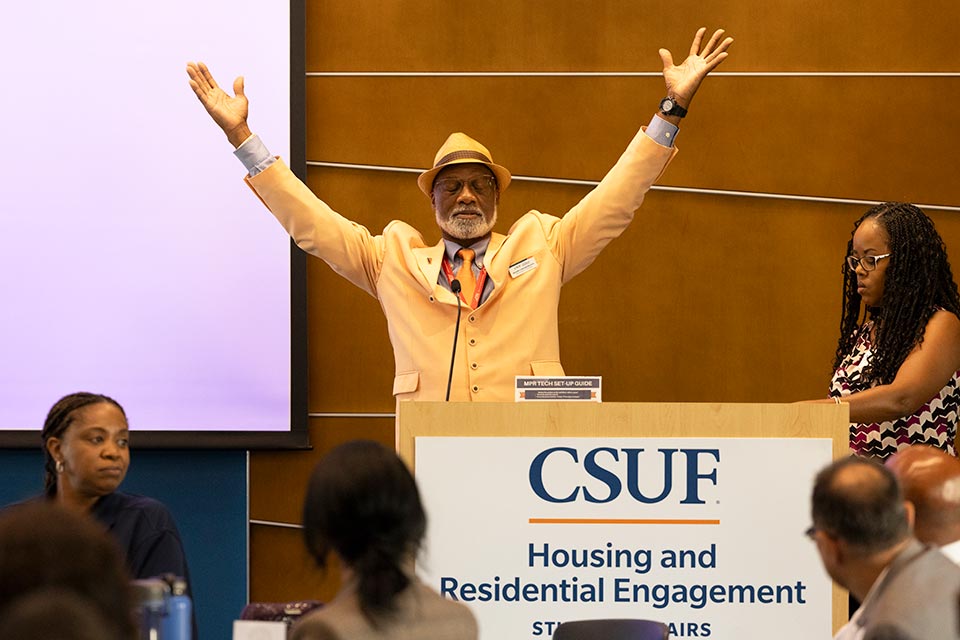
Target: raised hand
<point>230,112</point>
<point>684,79</point>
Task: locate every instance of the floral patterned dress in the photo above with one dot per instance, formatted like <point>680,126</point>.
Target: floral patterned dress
<point>934,424</point>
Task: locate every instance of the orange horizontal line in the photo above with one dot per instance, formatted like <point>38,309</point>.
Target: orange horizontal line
<point>617,521</point>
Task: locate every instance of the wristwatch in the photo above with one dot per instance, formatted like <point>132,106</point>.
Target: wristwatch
<point>669,107</point>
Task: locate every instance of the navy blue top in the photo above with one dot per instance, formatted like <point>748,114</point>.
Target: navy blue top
<point>147,535</point>
<point>145,531</point>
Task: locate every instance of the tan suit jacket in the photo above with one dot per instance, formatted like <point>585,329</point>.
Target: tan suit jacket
<point>514,332</point>
<point>422,614</point>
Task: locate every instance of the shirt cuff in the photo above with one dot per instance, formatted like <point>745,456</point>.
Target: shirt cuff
<point>661,131</point>
<point>254,155</point>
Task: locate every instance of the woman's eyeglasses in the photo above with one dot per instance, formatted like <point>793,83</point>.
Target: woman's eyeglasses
<point>869,263</point>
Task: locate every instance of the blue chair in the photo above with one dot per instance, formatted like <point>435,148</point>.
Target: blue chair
<point>612,630</point>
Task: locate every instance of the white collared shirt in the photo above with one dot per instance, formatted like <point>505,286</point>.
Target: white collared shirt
<point>952,551</point>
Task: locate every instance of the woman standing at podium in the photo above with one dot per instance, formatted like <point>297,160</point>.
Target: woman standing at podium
<point>898,358</point>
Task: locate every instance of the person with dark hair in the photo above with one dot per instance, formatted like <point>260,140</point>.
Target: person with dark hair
<point>61,577</point>
<point>86,447</point>
<point>507,285</point>
<point>899,368</point>
<point>46,614</point>
<point>931,482</point>
<point>363,506</point>
<point>862,529</point>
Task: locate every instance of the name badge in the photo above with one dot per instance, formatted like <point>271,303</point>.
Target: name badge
<point>519,268</point>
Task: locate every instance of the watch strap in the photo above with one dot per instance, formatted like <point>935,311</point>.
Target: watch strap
<point>670,107</point>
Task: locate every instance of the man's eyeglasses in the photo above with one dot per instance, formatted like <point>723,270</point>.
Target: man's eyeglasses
<point>482,185</point>
<point>869,263</point>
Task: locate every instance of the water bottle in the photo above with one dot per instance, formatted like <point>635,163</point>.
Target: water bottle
<point>150,601</point>
<point>178,623</point>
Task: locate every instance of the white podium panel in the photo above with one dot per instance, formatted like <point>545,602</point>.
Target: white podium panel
<point>540,515</point>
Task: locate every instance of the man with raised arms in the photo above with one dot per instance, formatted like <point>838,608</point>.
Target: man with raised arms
<point>508,284</point>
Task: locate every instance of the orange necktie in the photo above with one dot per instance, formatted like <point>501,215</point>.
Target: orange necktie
<point>468,281</point>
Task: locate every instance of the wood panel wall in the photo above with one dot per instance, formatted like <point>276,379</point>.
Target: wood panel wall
<point>708,296</point>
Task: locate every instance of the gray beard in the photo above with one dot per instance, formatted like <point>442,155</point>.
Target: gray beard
<point>464,228</point>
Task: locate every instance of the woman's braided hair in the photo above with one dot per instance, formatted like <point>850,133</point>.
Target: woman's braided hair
<point>918,280</point>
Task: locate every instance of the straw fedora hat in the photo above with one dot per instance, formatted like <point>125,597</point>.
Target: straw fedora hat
<point>462,149</point>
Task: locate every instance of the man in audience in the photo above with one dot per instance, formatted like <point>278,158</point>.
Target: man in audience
<point>862,529</point>
<point>930,478</point>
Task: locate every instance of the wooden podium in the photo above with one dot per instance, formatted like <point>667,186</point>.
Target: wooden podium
<point>770,450</point>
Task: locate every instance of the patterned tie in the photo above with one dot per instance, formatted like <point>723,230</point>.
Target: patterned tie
<point>465,275</point>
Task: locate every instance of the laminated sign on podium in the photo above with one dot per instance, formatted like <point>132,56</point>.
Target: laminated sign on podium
<point>691,514</point>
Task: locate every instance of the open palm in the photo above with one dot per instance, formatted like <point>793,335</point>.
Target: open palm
<point>684,79</point>
<point>230,112</point>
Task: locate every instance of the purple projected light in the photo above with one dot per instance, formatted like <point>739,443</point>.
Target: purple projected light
<point>135,261</point>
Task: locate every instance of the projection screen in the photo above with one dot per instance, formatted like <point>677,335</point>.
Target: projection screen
<point>135,262</point>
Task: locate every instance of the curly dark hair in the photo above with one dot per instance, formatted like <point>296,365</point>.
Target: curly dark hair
<point>918,281</point>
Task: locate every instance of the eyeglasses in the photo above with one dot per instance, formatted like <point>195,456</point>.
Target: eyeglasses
<point>481,185</point>
<point>869,263</point>
<point>811,531</point>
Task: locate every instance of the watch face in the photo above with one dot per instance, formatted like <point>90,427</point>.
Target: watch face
<point>666,105</point>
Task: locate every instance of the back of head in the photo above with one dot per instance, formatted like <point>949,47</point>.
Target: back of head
<point>45,547</point>
<point>930,478</point>
<point>859,501</point>
<point>54,614</point>
<point>363,504</point>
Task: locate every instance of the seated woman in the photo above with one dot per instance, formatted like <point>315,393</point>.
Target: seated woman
<point>363,505</point>
<point>898,365</point>
<point>86,455</point>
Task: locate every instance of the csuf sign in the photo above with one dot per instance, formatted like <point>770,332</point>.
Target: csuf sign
<point>619,470</point>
